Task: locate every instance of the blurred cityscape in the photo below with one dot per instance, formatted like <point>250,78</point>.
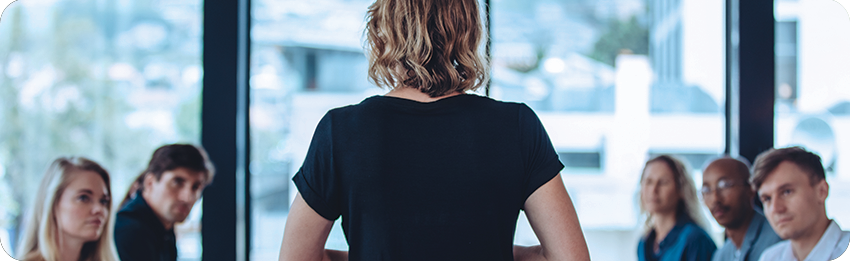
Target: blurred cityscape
<point>614,82</point>
<point>108,80</point>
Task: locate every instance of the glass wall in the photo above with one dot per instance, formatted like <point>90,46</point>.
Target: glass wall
<point>108,80</point>
<point>813,90</point>
<point>306,58</point>
<point>615,83</point>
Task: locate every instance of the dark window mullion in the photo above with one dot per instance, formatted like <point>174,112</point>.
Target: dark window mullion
<point>750,78</point>
<point>224,129</point>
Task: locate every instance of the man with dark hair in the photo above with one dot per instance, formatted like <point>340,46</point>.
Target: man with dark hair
<point>727,193</point>
<point>160,197</point>
<point>791,184</point>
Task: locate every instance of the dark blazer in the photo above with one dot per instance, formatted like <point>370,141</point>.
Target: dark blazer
<point>759,237</point>
<point>140,236</point>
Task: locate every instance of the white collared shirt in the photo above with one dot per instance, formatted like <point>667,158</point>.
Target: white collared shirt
<point>831,245</point>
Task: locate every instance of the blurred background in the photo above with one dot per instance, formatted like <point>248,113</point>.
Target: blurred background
<point>614,82</point>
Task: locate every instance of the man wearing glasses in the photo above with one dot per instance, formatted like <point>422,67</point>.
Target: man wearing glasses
<point>727,193</point>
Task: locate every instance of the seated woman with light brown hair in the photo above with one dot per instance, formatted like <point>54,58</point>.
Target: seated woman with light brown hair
<point>675,228</point>
<point>429,171</point>
<point>70,217</point>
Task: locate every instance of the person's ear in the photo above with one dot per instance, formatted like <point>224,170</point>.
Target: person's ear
<point>822,190</point>
<point>148,181</point>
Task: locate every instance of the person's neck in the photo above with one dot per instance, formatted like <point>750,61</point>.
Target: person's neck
<point>737,234</point>
<point>167,225</point>
<point>802,246</point>
<point>165,222</point>
<point>70,248</point>
<point>663,223</point>
<point>416,95</point>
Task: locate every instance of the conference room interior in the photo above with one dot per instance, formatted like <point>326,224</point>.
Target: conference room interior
<point>614,82</point>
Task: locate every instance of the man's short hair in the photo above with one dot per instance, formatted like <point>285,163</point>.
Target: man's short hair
<point>168,158</point>
<point>172,156</point>
<point>767,161</point>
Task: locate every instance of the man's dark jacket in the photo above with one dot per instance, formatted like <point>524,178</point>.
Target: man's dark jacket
<point>140,236</point>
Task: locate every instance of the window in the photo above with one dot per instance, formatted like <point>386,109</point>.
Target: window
<point>614,82</point>
<point>581,160</point>
<point>307,58</point>
<point>812,94</point>
<point>108,80</point>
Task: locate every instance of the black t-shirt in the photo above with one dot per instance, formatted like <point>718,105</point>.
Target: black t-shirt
<point>443,180</point>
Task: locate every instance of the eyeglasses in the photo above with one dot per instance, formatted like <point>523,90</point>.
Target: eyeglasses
<point>722,185</point>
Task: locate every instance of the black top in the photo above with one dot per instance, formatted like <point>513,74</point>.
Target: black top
<point>139,235</point>
<point>443,180</point>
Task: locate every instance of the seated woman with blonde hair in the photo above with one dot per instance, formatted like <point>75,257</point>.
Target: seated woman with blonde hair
<point>675,227</point>
<point>69,219</point>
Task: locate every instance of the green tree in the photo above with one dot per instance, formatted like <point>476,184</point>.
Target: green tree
<point>629,36</point>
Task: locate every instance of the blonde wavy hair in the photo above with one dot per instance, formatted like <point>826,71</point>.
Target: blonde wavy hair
<point>689,204</point>
<point>40,241</point>
<point>430,45</point>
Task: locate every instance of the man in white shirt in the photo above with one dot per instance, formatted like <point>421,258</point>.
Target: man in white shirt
<point>791,184</point>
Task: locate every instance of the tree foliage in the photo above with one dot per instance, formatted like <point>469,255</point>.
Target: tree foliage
<point>629,36</point>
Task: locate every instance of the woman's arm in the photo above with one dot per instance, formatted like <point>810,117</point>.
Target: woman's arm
<point>528,253</point>
<point>335,255</point>
<point>553,218</point>
<point>305,235</point>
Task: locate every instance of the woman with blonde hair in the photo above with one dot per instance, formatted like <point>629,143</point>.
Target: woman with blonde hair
<point>675,225</point>
<point>429,171</point>
<point>70,217</point>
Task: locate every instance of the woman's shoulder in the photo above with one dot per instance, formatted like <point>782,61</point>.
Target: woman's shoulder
<point>495,102</point>
<point>693,233</point>
<point>466,102</point>
<point>692,229</point>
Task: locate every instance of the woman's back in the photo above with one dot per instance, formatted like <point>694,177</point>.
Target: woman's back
<point>437,180</point>
<point>414,180</point>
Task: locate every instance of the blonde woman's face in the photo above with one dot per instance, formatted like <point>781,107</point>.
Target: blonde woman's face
<point>83,207</point>
<point>658,189</point>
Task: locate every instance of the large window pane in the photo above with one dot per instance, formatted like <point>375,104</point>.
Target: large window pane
<point>606,112</point>
<point>108,80</point>
<point>813,90</point>
<point>306,59</point>
<point>614,82</point>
